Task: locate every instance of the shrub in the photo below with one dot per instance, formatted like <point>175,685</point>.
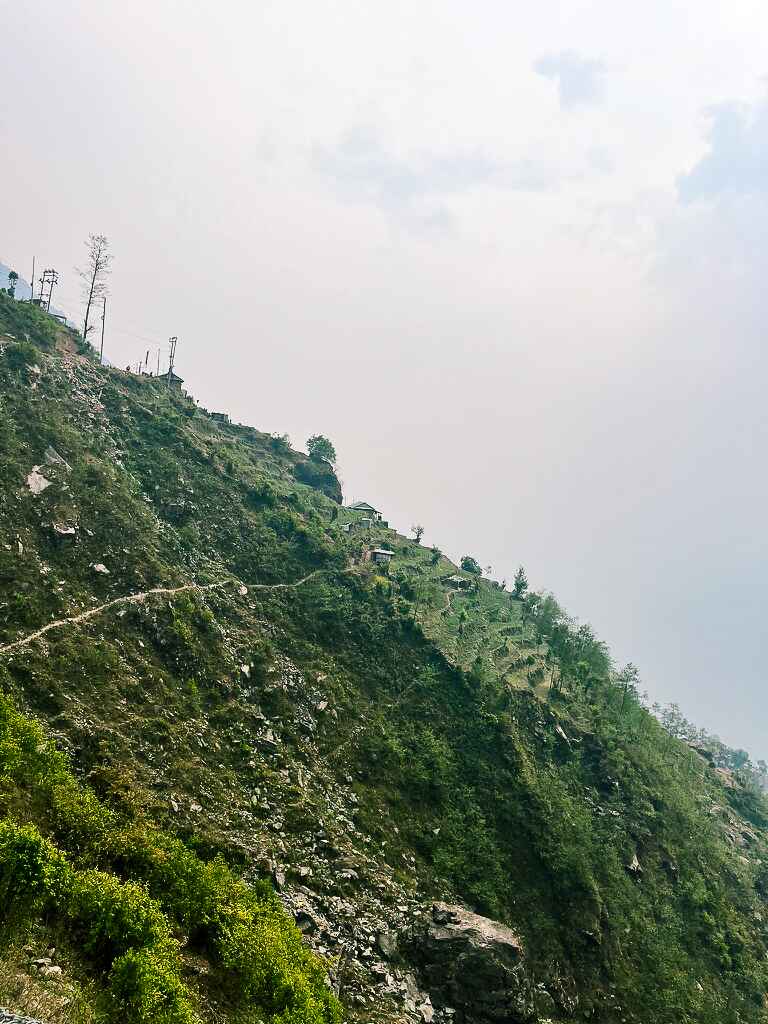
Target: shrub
<point>32,871</point>
<point>146,989</point>
<point>129,924</point>
<point>20,354</point>
<point>120,915</point>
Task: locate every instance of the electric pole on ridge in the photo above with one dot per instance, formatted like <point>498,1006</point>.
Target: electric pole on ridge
<point>172,342</point>
<point>103,318</point>
<point>50,277</point>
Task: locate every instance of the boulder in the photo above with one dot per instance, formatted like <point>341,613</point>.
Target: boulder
<point>475,966</point>
<point>36,482</point>
<point>387,943</point>
<point>64,529</point>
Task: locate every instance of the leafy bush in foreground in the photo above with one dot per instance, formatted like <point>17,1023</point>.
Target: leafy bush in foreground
<point>129,924</point>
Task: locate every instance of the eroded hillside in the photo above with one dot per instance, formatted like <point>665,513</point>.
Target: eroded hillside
<point>366,739</point>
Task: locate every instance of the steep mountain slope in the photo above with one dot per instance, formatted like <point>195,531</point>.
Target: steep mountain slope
<point>360,735</point>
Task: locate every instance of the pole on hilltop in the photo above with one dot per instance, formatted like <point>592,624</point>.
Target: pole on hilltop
<point>172,342</point>
<point>103,318</point>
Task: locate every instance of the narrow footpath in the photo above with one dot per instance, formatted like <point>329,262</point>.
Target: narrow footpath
<point>139,598</point>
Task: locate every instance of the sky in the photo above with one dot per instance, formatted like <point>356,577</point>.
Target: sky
<point>509,257</point>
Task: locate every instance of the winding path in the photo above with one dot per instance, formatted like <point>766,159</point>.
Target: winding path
<point>74,620</point>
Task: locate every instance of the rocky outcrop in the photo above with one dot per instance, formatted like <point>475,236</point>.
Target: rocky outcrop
<point>319,474</point>
<point>474,969</point>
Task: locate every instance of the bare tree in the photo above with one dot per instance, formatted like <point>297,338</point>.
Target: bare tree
<point>94,275</point>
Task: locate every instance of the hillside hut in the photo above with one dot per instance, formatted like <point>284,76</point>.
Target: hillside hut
<point>457,582</point>
<point>382,556</point>
<point>365,510</point>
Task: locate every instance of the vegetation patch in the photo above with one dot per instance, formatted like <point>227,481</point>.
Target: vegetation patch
<point>131,895</point>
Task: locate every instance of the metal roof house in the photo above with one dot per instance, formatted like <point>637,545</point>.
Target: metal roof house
<point>381,555</point>
<point>367,510</point>
<point>364,523</point>
<point>459,582</point>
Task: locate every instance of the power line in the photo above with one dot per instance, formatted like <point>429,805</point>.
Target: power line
<point>67,299</point>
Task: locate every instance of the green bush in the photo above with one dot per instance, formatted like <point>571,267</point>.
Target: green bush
<point>32,871</point>
<point>20,354</point>
<point>145,988</point>
<point>126,915</point>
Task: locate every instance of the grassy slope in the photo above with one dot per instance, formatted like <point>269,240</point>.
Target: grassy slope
<point>528,809</point>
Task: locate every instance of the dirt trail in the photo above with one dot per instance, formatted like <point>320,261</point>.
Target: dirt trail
<point>160,592</point>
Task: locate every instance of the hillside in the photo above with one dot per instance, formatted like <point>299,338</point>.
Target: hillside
<point>209,696</point>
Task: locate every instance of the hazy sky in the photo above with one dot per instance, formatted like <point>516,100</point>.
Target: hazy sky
<point>510,257</point>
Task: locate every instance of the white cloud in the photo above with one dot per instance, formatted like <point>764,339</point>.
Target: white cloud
<point>415,185</point>
<point>579,79</point>
<point>737,159</point>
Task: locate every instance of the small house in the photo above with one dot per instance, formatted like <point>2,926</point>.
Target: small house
<point>361,524</point>
<point>366,510</point>
<point>381,555</point>
<point>457,582</point>
<point>173,380</point>
<point>220,417</point>
<point>358,524</point>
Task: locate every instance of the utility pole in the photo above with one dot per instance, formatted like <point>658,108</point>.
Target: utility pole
<point>50,277</point>
<point>172,343</point>
<point>103,318</point>
<point>32,282</point>
<point>158,362</point>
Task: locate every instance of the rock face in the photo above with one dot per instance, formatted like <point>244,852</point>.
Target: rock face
<point>474,966</point>
<point>319,474</point>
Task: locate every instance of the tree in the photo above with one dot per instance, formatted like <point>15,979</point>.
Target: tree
<point>470,564</point>
<point>418,532</point>
<point>520,585</point>
<point>437,554</point>
<point>628,680</point>
<point>321,449</point>
<point>280,442</point>
<point>94,275</point>
<point>13,277</point>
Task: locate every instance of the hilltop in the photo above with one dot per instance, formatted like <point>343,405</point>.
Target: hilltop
<point>303,772</point>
